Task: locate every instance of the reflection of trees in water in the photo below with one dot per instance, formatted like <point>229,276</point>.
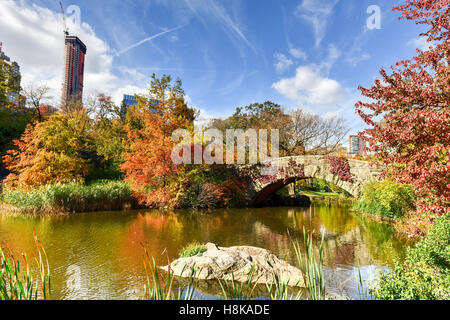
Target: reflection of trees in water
<point>346,243</point>
<point>88,241</point>
<point>107,246</point>
<point>382,242</point>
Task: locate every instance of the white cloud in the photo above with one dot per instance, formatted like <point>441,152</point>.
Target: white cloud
<point>316,13</point>
<point>137,44</point>
<point>203,118</point>
<point>136,75</point>
<point>333,55</point>
<point>297,53</point>
<point>282,63</point>
<point>354,60</point>
<point>33,36</point>
<point>420,43</point>
<point>309,87</point>
<point>212,9</point>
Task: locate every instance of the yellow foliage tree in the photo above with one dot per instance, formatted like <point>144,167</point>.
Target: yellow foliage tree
<point>55,151</point>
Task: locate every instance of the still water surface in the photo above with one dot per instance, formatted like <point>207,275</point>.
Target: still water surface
<point>99,255</point>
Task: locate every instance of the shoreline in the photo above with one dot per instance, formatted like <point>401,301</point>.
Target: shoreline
<point>7,209</point>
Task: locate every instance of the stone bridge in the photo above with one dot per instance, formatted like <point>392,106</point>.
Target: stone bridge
<point>295,168</point>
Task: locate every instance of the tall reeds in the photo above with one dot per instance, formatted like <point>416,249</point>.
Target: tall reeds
<point>18,281</point>
<point>236,290</point>
<point>279,290</point>
<point>163,286</point>
<point>311,267</point>
<point>103,195</point>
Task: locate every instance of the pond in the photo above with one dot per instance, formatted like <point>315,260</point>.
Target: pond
<point>99,255</point>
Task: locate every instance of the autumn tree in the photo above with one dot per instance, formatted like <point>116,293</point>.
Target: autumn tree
<point>409,116</point>
<point>36,95</point>
<point>311,133</point>
<point>300,132</point>
<point>9,84</point>
<point>266,115</point>
<point>54,151</point>
<point>148,165</point>
<point>109,135</point>
<point>12,123</point>
<point>74,104</point>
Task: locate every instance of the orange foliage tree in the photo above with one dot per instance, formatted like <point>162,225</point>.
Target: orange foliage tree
<point>148,167</point>
<point>53,151</point>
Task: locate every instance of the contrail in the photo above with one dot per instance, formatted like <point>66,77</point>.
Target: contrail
<point>137,44</point>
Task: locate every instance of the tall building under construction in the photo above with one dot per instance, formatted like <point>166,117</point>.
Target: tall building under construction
<point>75,51</point>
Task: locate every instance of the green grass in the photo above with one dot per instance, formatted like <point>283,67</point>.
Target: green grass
<point>192,249</point>
<point>101,195</point>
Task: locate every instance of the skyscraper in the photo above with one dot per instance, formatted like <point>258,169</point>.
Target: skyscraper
<point>357,145</point>
<point>127,102</point>
<point>75,51</point>
<point>131,100</point>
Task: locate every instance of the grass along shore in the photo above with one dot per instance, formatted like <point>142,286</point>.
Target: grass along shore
<point>74,197</point>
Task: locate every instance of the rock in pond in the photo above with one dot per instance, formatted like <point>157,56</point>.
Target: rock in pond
<point>224,263</point>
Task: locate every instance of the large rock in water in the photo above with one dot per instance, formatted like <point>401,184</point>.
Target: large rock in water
<point>224,263</point>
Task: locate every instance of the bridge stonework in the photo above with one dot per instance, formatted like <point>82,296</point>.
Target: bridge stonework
<point>316,167</point>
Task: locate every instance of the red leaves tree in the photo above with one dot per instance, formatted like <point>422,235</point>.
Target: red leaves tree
<point>410,115</point>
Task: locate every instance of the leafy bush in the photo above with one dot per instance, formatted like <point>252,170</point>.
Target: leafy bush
<point>192,249</point>
<point>101,195</point>
<point>434,249</point>
<point>425,273</point>
<point>386,198</point>
<point>340,167</point>
<point>320,185</point>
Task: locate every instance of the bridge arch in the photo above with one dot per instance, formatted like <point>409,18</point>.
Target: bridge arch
<point>290,169</point>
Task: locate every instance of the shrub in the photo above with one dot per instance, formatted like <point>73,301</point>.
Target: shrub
<point>192,249</point>
<point>386,198</point>
<point>320,185</point>
<point>425,273</point>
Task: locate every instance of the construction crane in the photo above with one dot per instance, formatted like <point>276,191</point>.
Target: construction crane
<point>66,30</point>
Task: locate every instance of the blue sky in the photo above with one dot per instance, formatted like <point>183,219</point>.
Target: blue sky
<point>303,53</point>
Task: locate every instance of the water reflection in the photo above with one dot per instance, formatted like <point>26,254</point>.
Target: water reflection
<point>99,255</point>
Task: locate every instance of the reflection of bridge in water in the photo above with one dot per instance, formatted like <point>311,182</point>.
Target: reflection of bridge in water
<point>295,168</point>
